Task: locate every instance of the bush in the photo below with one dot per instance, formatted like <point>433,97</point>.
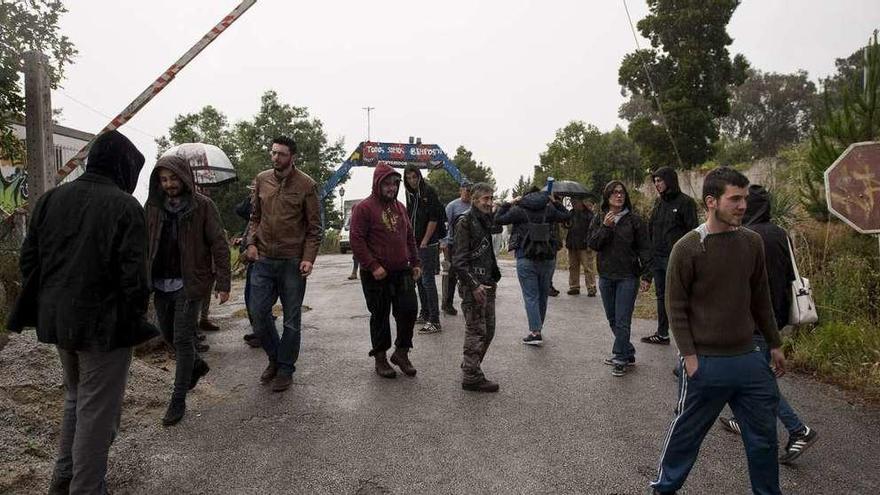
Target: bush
<point>330,242</point>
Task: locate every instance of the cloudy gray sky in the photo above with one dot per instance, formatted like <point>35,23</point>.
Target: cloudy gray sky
<point>497,77</point>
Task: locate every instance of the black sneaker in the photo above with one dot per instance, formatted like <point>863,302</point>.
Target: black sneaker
<point>609,361</point>
<point>797,444</point>
<point>483,386</point>
<point>201,347</point>
<point>730,425</point>
<point>655,339</point>
<point>553,292</point>
<point>618,370</point>
<point>532,339</point>
<point>449,310</point>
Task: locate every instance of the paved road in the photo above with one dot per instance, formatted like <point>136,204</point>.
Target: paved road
<point>560,424</point>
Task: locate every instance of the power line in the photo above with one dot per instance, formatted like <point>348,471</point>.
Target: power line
<point>102,114</point>
<point>654,93</point>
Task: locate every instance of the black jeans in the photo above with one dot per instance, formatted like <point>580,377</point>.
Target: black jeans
<point>178,317</point>
<point>395,294</point>
<point>660,289</point>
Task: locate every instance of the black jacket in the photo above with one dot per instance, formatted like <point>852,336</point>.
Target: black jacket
<point>533,207</point>
<point>674,214</point>
<point>423,206</point>
<point>473,258</point>
<point>622,251</point>
<point>83,261</point>
<point>579,229</point>
<point>776,255</point>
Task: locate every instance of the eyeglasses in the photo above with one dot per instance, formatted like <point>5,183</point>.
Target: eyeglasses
<point>618,192</point>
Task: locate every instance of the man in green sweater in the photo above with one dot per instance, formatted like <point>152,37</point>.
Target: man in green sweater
<point>716,297</point>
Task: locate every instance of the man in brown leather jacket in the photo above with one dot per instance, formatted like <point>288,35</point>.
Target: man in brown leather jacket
<point>283,238</point>
<point>186,245</point>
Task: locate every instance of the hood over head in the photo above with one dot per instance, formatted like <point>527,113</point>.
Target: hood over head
<point>382,171</point>
<point>757,205</point>
<point>177,165</point>
<point>606,194</point>
<point>670,177</point>
<point>113,156</point>
<point>535,201</point>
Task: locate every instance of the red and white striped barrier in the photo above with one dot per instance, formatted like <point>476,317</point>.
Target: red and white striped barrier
<point>157,86</point>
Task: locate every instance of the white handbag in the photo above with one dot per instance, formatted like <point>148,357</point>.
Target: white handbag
<point>803,309</point>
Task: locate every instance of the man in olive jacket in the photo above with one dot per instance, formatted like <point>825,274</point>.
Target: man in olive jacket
<point>85,289</point>
<point>186,245</point>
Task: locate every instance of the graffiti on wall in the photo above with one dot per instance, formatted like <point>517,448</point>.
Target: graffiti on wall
<point>13,186</point>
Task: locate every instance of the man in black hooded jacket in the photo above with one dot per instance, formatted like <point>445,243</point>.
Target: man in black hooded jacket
<point>83,264</point>
<point>674,215</point>
<point>426,214</point>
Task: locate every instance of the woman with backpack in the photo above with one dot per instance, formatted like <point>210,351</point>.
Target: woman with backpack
<point>532,217</point>
<point>620,238</point>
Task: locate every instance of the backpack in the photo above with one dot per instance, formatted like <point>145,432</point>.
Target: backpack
<point>537,240</point>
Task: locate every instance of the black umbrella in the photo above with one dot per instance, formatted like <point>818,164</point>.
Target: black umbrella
<point>569,188</point>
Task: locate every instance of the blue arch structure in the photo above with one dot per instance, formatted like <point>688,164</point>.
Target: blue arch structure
<point>395,155</point>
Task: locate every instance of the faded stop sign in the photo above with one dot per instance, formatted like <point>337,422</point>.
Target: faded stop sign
<point>852,187</point>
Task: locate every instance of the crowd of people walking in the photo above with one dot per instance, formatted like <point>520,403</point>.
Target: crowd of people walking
<point>93,256</point>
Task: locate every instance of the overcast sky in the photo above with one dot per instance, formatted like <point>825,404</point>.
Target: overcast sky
<point>497,77</point>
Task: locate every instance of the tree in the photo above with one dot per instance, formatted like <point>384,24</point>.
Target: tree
<point>580,152</point>
<point>692,73</point>
<point>447,188</point>
<point>247,144</point>
<point>521,186</point>
<point>27,25</point>
<point>771,110</point>
<point>855,119</point>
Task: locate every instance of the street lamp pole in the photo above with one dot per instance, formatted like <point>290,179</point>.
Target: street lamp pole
<point>368,109</point>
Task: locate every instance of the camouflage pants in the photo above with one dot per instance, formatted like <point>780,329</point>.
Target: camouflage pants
<point>479,331</point>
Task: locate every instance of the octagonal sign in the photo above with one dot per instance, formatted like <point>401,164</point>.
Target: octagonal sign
<point>852,187</point>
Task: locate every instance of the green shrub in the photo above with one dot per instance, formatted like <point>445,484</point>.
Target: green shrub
<point>330,242</point>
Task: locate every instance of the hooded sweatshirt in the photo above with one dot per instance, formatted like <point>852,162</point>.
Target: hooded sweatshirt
<point>381,233</point>
<point>423,207</point>
<point>674,214</point>
<point>187,242</point>
<point>83,260</point>
<point>776,252</point>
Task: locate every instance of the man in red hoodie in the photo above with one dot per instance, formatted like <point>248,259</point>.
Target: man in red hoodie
<point>383,244</point>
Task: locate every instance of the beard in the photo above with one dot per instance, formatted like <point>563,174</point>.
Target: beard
<point>728,219</point>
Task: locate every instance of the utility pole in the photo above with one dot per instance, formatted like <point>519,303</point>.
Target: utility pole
<point>38,125</point>
<point>368,109</point>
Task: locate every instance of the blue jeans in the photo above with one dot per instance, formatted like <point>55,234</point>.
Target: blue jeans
<point>427,284</point>
<point>660,289</point>
<point>534,279</point>
<point>619,300</point>
<point>746,383</point>
<point>271,278</point>
<point>786,414</point>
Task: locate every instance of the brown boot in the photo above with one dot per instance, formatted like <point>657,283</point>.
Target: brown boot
<point>269,373</point>
<point>384,369</point>
<point>401,359</point>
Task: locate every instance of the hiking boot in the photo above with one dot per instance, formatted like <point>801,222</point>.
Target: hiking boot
<point>574,292</point>
<point>655,339</point>
<point>430,328</point>
<point>208,326</point>
<point>618,369</point>
<point>533,339</point>
<point>609,361</point>
<point>400,358</point>
<point>553,292</point>
<point>483,386</point>
<point>254,342</point>
<point>200,347</point>
<point>384,369</point>
<point>797,444</point>
<point>449,310</point>
<point>591,292</point>
<point>281,382</point>
<point>730,425</point>
<point>353,276</point>
<point>175,412</point>
<point>200,369</point>
<point>269,373</point>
